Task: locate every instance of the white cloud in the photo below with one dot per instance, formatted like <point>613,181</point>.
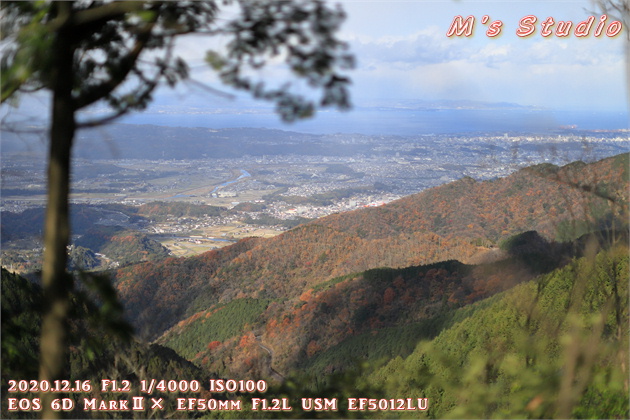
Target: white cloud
<point>533,71</point>
<point>402,51</point>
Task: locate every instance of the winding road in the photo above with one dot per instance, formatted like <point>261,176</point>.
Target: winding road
<point>274,373</point>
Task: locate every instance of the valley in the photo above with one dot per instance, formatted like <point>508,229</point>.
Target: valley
<point>311,209</point>
<point>265,181</point>
<point>332,275</point>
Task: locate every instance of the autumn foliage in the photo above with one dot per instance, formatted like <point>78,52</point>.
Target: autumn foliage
<point>320,283</point>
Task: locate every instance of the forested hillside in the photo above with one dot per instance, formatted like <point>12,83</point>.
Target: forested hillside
<point>464,220</point>
<point>313,301</point>
<point>556,347</point>
<point>504,298</point>
<point>100,347</point>
<point>548,199</point>
<point>121,245</point>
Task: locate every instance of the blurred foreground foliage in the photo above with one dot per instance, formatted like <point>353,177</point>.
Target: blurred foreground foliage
<point>101,347</point>
<point>556,347</point>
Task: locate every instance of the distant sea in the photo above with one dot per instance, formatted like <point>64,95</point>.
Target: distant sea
<point>402,122</point>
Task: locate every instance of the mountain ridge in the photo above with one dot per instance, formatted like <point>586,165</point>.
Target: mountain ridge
<point>400,234</point>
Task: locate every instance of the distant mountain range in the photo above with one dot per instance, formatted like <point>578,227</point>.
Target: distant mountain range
<point>155,142</point>
<point>418,104</point>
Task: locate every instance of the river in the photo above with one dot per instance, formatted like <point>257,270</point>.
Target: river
<point>244,174</point>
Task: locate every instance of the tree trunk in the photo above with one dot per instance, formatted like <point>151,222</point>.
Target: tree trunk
<point>57,283</point>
